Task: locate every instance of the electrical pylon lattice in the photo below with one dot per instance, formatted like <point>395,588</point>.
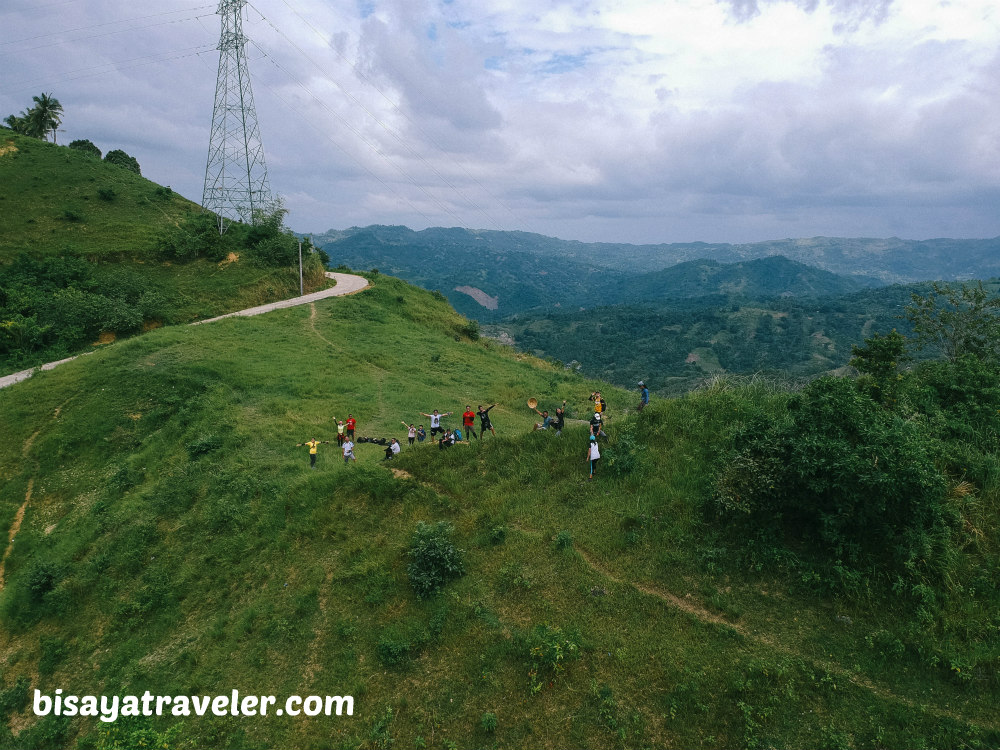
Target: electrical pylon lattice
<point>236,185</point>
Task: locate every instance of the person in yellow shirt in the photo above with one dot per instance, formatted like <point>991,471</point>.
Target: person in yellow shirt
<point>313,444</point>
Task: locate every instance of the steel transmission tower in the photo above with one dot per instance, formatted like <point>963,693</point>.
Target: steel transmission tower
<point>235,176</point>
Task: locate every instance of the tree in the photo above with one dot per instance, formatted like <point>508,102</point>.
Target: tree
<point>86,147</point>
<point>879,359</point>
<point>121,159</point>
<point>40,120</point>
<point>45,116</point>
<point>960,321</point>
<point>17,123</point>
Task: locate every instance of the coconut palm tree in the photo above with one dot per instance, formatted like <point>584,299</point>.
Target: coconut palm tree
<point>45,116</point>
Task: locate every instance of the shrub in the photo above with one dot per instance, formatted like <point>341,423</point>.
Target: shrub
<point>434,559</point>
<point>843,476</point>
<point>489,722</point>
<point>86,147</point>
<point>121,159</point>
<point>549,648</point>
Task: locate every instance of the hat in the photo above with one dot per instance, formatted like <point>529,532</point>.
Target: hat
<point>641,383</point>
<point>593,438</point>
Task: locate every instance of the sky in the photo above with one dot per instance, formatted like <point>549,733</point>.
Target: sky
<point>641,121</point>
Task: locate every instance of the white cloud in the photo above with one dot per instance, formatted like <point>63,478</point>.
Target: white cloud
<point>641,120</point>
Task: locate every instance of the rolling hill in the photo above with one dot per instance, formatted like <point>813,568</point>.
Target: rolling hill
<point>168,535</point>
<point>491,275</point>
<point>750,566</point>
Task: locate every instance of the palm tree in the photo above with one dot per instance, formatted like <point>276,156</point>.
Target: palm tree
<point>17,123</point>
<point>45,116</point>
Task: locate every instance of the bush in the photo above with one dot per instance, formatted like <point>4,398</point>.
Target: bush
<point>549,648</point>
<point>434,559</point>
<point>86,147</point>
<point>843,476</point>
<point>120,159</point>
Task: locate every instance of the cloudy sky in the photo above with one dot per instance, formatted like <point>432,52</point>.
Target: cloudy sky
<point>599,120</point>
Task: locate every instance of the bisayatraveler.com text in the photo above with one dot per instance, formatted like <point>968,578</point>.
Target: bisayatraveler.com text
<point>109,707</point>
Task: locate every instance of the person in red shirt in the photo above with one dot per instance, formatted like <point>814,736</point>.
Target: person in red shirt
<point>350,424</point>
<point>469,422</point>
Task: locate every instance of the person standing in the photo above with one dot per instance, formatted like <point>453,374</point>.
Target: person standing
<point>421,434</point>
<point>435,421</point>
<point>313,444</point>
<point>600,405</point>
<point>596,426</point>
<point>349,451</point>
<point>351,424</point>
<point>643,396</point>
<point>411,432</point>
<point>469,422</point>
<point>559,421</point>
<point>484,420</point>
<point>340,432</point>
<point>593,455</point>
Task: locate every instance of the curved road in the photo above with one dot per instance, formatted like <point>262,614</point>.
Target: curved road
<point>346,284</point>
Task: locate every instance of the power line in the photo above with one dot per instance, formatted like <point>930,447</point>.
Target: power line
<point>114,66</point>
<point>101,25</point>
<point>112,33</point>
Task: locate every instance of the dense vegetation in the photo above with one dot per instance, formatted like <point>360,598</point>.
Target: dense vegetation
<point>90,252</point>
<point>547,270</point>
<point>174,539</point>
<point>524,278</point>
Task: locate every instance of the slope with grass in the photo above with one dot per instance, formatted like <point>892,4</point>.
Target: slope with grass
<point>167,535</point>
<point>90,251</point>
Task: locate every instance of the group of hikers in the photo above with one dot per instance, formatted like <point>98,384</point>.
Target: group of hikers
<point>448,437</point>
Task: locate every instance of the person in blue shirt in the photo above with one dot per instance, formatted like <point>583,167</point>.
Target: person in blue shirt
<point>643,396</point>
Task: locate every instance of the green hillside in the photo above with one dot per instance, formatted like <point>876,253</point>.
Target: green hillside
<point>675,345</point>
<point>492,275</point>
<point>171,537</point>
<point>90,252</point>
<point>890,261</point>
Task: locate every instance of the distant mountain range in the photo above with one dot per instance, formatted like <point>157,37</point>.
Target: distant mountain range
<point>491,274</point>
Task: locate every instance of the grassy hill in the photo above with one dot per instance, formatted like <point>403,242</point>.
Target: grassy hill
<point>171,537</point>
<point>89,246</point>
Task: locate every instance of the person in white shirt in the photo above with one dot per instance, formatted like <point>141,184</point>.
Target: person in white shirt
<point>349,451</point>
<point>593,454</point>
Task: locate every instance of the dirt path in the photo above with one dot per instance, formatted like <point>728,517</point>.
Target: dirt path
<point>346,284</point>
<point>694,609</point>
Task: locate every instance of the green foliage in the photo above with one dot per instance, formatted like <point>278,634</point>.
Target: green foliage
<point>880,359</point>
<point>549,649</point>
<point>957,321</point>
<point>844,477</point>
<point>434,558</point>
<point>488,722</point>
<point>87,147</point>
<point>564,540</point>
<point>40,120</point>
<point>120,159</point>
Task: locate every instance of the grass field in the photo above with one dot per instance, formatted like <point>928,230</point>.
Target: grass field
<point>171,537</point>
